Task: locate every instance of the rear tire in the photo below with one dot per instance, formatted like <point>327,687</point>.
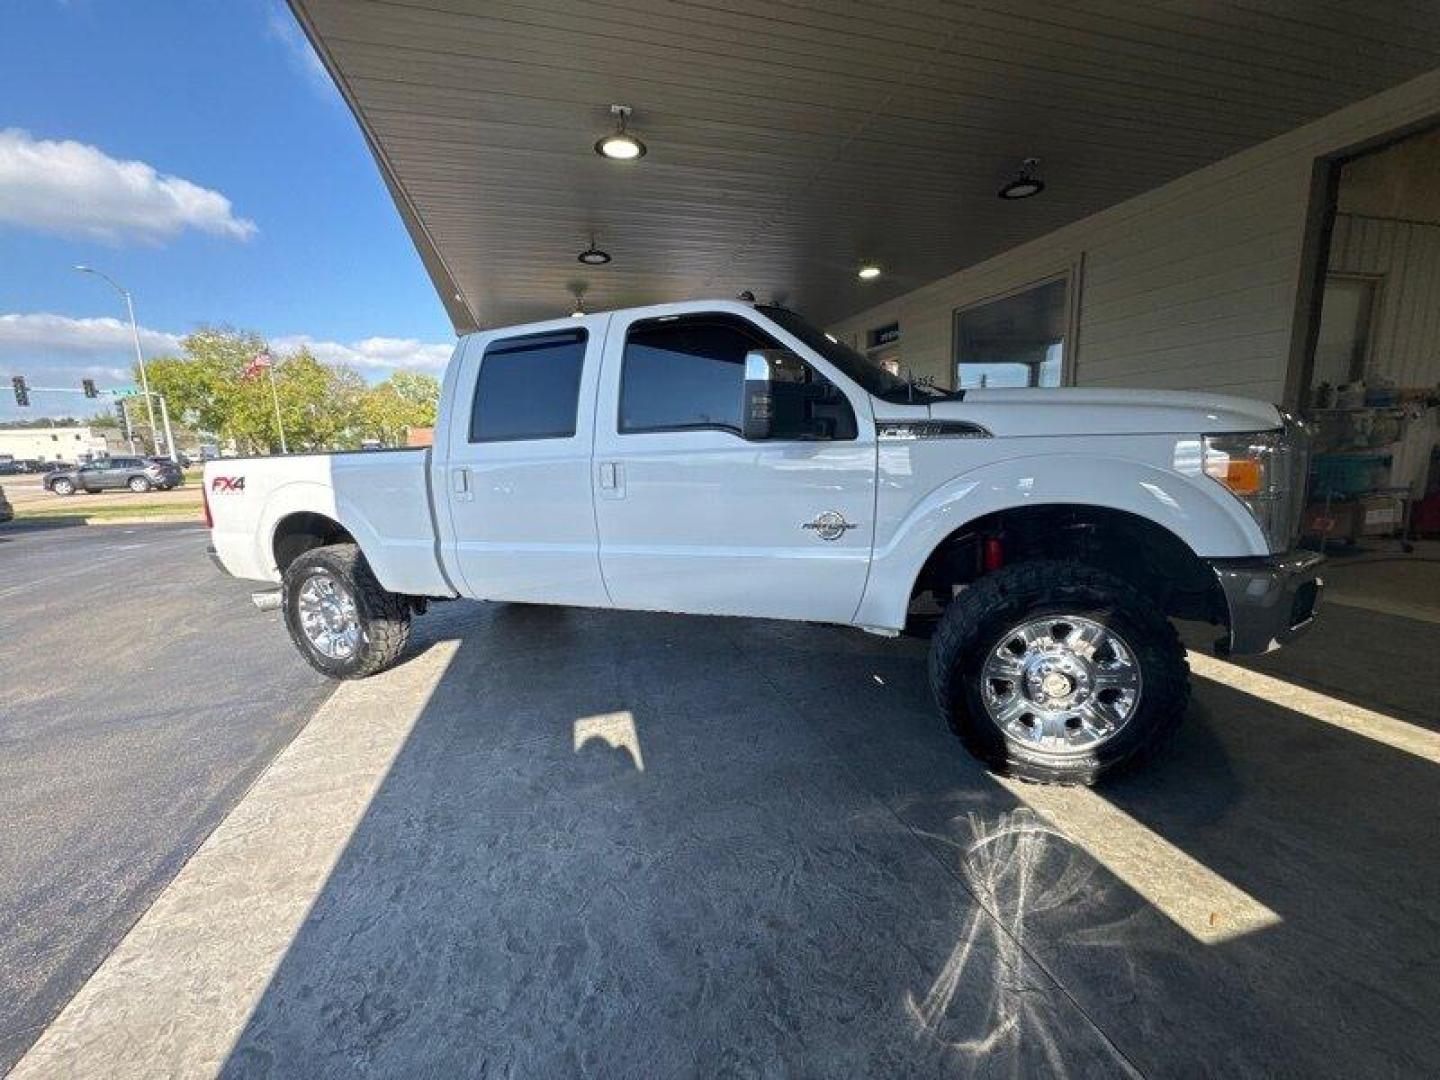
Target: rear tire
<point>139,485</point>
<point>1051,739</point>
<point>63,488</point>
<point>336,582</point>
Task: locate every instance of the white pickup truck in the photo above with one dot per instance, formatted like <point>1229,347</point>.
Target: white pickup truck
<point>726,458</point>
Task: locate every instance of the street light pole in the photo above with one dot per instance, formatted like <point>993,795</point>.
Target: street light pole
<point>139,356</point>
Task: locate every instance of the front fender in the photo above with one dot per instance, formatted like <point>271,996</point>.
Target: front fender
<point>1198,511</point>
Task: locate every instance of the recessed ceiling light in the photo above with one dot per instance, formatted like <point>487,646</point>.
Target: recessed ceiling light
<point>620,145</point>
<point>1025,184</point>
<point>593,256</point>
<point>868,272</point>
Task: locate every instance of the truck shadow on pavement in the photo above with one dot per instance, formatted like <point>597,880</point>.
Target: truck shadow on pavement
<point>642,845</point>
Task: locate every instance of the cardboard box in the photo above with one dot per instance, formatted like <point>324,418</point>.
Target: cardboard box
<point>1381,515</point>
<point>1338,521</point>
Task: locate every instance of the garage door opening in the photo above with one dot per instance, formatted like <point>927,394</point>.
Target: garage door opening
<point>1371,374</point>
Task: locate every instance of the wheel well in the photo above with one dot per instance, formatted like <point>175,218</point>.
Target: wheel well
<point>1131,547</point>
<point>298,533</point>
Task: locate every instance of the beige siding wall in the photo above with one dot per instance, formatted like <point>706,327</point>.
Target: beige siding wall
<point>1189,286</point>
<point>1405,255</point>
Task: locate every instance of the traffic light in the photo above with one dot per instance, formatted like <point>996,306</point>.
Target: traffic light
<point>124,420</point>
<point>22,392</point>
<point>88,385</point>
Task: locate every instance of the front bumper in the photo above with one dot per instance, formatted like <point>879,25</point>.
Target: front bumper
<point>1271,601</point>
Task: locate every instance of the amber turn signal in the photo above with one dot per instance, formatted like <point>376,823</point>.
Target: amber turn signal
<point>1243,476</point>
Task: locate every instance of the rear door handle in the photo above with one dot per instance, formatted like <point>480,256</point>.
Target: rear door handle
<point>460,484</point>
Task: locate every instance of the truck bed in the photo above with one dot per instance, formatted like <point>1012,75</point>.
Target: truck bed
<point>381,497</point>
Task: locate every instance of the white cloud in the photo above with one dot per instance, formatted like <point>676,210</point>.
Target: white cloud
<point>42,333</point>
<point>300,53</point>
<point>73,189</point>
<point>374,352</point>
<point>34,337</point>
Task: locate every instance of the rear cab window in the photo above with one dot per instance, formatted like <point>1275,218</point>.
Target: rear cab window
<point>528,387</point>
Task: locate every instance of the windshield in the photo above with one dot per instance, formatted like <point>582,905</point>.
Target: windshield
<point>869,374</point>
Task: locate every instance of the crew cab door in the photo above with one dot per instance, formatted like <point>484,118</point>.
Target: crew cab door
<point>695,517</point>
<point>516,482</point>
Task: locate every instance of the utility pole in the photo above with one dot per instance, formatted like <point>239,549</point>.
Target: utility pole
<point>169,438</point>
<point>275,397</point>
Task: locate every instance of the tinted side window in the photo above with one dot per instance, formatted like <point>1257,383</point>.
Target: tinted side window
<point>685,373</point>
<point>529,388</point>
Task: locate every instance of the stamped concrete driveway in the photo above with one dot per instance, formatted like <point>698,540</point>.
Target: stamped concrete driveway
<point>560,842</point>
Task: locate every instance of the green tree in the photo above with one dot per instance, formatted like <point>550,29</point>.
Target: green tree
<point>207,388</point>
<point>407,399</point>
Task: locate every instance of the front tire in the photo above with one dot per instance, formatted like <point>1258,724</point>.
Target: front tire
<point>1058,672</point>
<point>343,621</point>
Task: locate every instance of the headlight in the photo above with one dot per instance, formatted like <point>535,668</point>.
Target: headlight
<point>1265,470</point>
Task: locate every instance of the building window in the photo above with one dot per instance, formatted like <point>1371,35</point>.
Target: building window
<point>883,336</point>
<point>1016,340</point>
<point>1347,316</point>
<point>882,345</point>
<point>529,388</point>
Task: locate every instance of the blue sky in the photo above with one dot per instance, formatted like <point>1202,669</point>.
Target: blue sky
<point>125,127</point>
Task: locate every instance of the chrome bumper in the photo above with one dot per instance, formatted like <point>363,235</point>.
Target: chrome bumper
<point>1271,601</point>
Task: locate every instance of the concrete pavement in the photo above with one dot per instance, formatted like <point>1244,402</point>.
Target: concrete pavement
<point>140,696</point>
<point>561,842</point>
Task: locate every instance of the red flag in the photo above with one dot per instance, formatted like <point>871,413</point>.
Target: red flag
<point>259,364</point>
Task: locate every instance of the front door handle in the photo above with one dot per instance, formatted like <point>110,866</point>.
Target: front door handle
<point>611,479</point>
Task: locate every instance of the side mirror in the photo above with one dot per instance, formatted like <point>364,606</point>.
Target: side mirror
<point>757,399</point>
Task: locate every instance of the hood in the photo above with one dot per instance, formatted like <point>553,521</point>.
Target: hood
<point>1080,411</point>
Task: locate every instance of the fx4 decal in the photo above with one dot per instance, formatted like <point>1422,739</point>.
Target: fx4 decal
<point>228,483</point>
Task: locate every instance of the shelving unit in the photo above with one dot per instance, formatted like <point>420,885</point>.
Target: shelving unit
<point>1355,492</point>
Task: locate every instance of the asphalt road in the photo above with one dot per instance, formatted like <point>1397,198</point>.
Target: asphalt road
<point>140,696</point>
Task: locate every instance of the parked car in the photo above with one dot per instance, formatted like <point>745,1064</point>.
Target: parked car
<point>7,512</point>
<point>720,458</point>
<point>180,459</point>
<point>114,474</point>
<point>12,467</point>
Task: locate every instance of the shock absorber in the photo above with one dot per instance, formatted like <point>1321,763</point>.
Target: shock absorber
<point>992,554</point>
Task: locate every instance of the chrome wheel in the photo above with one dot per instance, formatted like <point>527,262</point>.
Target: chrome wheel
<point>328,616</point>
<point>1061,684</point>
